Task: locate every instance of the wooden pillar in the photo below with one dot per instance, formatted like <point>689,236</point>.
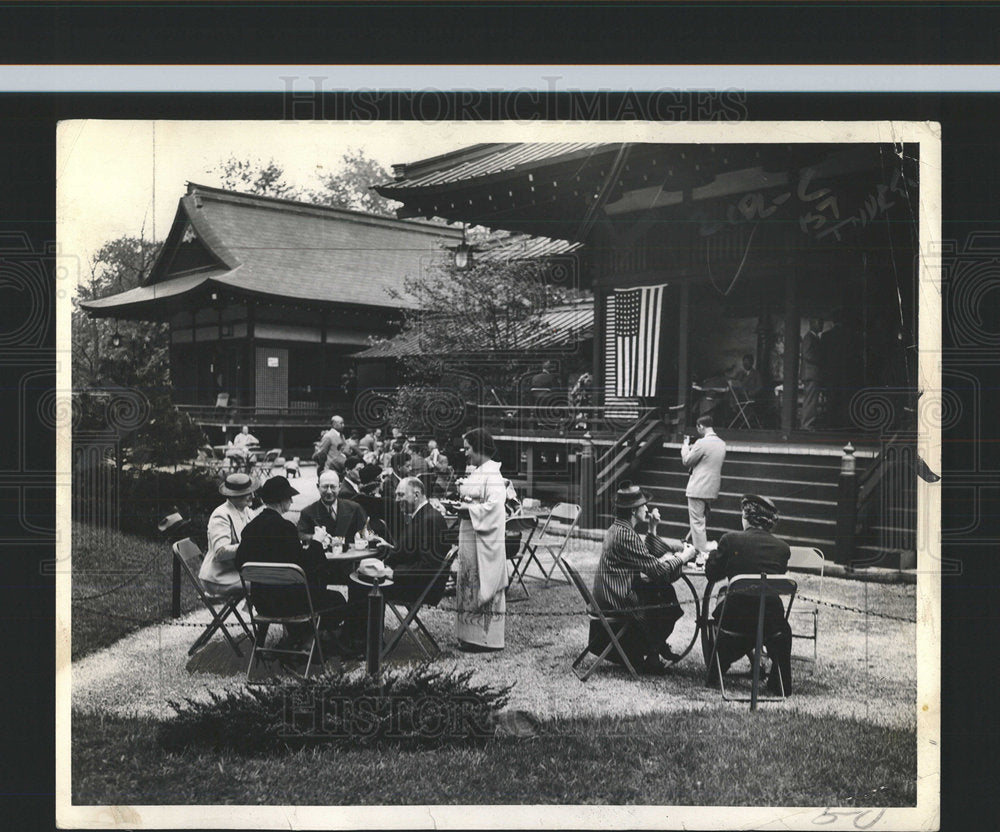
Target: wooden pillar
<point>790,374</point>
<point>600,346</point>
<point>683,370</point>
<point>251,388</point>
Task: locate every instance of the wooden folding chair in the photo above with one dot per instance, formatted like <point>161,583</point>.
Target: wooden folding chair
<point>744,407</point>
<point>258,579</point>
<point>761,587</point>
<point>595,613</point>
<point>412,613</point>
<point>520,523</point>
<point>809,559</point>
<point>222,606</point>
<point>562,519</point>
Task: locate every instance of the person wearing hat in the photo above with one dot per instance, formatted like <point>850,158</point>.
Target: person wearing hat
<point>225,527</point>
<point>632,581</point>
<point>753,551</point>
<point>271,538</point>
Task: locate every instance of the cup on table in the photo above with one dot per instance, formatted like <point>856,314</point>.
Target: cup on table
<point>337,544</point>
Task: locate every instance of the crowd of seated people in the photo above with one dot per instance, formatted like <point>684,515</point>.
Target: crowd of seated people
<point>390,505</point>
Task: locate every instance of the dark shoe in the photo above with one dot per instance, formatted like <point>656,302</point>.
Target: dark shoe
<point>712,681</point>
<point>652,666</point>
<point>668,654</point>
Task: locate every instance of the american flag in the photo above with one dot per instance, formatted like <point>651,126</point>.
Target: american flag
<point>637,339</point>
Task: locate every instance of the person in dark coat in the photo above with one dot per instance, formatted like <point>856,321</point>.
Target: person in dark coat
<point>340,517</point>
<point>270,538</point>
<point>635,579</point>
<point>751,552</point>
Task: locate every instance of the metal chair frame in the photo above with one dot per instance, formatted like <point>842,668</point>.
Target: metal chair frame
<point>284,575</point>
<point>567,524</point>
<point>763,586</point>
<point>523,523</point>
<point>413,609</point>
<point>186,551</point>
<point>801,555</point>
<point>595,613</point>
<point>744,408</point>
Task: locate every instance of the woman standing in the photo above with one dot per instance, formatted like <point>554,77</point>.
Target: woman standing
<point>482,561</point>
<point>225,529</point>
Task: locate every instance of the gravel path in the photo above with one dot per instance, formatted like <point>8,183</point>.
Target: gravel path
<point>867,664</point>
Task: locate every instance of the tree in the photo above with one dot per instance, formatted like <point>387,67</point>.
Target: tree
<point>254,177</point>
<point>469,326</point>
<point>142,360</point>
<point>350,186</point>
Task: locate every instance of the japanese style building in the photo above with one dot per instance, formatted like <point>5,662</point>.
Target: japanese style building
<point>268,298</point>
<point>722,250</point>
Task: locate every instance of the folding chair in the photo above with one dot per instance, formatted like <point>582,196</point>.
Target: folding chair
<point>221,606</point>
<point>258,578</point>
<point>595,613</point>
<point>412,610</point>
<point>520,523</point>
<point>562,519</point>
<point>761,587</point>
<point>809,559</point>
<point>744,406</point>
<point>269,460</point>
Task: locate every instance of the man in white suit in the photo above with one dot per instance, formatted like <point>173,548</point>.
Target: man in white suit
<point>704,459</point>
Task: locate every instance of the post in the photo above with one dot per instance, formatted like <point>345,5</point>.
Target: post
<point>588,508</point>
<point>790,374</point>
<point>683,382</point>
<point>376,622</point>
<point>847,507</point>
<point>175,587</point>
<point>759,644</point>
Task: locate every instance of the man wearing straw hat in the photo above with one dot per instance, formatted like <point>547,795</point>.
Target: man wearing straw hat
<point>634,579</point>
<point>225,530</point>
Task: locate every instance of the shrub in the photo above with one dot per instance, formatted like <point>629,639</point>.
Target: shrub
<point>146,495</point>
<point>415,708</point>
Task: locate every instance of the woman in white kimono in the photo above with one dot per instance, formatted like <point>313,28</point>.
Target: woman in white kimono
<point>482,560</point>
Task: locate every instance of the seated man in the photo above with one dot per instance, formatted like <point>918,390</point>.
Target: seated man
<point>271,538</point>
<point>749,378</point>
<point>238,453</point>
<point>632,582</point>
<point>340,518</point>
<point>753,551</point>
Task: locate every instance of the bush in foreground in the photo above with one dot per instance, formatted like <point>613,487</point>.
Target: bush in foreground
<point>416,708</point>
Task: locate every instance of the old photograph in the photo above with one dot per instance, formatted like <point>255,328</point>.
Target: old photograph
<point>583,469</point>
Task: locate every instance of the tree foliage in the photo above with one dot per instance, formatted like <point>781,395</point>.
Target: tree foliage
<point>350,186</point>
<point>142,360</point>
<point>252,176</point>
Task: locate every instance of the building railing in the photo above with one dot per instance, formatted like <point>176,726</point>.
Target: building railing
<point>305,414</point>
<point>558,418</point>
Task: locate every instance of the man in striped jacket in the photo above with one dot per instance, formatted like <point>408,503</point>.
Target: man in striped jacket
<point>635,579</point>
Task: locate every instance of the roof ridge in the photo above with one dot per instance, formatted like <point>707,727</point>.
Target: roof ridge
<point>298,206</point>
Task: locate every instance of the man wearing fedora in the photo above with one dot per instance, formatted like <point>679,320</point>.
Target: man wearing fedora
<point>633,581</point>
<point>271,538</point>
<point>753,551</point>
<point>225,528</point>
<point>704,459</point>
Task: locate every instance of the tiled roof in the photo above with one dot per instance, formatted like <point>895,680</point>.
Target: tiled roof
<point>297,251</point>
<point>560,326</point>
<point>481,161</point>
<point>524,246</point>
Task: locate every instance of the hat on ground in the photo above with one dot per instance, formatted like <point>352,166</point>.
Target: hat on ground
<point>275,490</point>
<point>236,485</point>
<point>631,496</point>
<point>759,511</point>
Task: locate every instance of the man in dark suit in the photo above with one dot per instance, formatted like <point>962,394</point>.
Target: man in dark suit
<point>271,538</point>
<point>414,558</point>
<point>753,551</point>
<point>421,548</point>
<point>340,518</point>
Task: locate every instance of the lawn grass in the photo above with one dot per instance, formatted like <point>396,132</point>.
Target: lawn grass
<point>121,583</point>
<point>724,757</point>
